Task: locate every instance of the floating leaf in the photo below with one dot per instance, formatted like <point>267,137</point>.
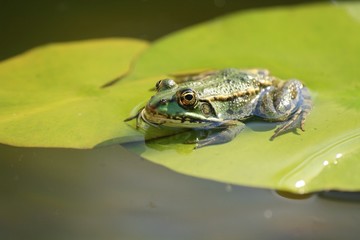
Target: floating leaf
<point>319,44</point>
<point>53,96</point>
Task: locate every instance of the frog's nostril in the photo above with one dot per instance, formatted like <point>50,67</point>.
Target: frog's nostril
<point>150,108</point>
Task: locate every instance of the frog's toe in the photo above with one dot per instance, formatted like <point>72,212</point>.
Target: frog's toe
<point>204,142</point>
<point>223,136</point>
<point>213,140</point>
<point>192,141</point>
<point>297,121</point>
<point>302,124</point>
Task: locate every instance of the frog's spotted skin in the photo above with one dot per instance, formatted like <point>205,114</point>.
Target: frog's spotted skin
<point>223,99</point>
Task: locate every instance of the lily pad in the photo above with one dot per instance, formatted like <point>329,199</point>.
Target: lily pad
<point>53,96</point>
<point>318,44</point>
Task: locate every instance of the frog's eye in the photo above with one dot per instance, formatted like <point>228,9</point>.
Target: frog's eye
<point>187,98</point>
<point>165,84</point>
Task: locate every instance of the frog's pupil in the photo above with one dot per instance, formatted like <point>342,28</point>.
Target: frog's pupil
<point>189,97</point>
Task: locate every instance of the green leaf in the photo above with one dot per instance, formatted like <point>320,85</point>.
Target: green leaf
<point>52,96</point>
<point>319,44</point>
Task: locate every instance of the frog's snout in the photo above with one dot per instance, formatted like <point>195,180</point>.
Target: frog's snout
<point>153,106</point>
<point>150,108</point>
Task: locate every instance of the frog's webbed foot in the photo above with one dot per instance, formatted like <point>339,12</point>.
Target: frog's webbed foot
<point>296,121</point>
<point>220,136</point>
<point>289,103</point>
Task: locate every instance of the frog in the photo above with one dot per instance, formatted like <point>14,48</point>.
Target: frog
<point>224,100</point>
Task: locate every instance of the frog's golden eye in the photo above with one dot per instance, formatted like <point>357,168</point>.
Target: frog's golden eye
<point>165,84</point>
<point>187,98</point>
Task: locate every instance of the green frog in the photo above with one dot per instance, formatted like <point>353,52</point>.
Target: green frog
<point>222,100</point>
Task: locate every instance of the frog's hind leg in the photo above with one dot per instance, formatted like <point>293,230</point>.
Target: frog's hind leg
<point>289,103</point>
<point>297,119</point>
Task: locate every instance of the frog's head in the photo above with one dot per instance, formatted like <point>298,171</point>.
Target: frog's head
<point>175,106</point>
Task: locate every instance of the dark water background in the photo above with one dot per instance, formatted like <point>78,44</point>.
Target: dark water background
<point>110,193</point>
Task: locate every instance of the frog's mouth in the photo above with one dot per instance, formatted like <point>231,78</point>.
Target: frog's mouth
<point>188,120</point>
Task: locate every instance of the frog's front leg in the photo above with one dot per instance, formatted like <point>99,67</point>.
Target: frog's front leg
<point>223,134</point>
<point>289,102</point>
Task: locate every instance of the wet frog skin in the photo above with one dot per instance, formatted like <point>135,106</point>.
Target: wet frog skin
<point>223,99</point>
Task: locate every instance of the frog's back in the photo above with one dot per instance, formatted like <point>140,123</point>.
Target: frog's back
<point>231,92</point>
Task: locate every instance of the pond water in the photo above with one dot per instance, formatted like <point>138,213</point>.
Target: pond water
<point>111,193</point>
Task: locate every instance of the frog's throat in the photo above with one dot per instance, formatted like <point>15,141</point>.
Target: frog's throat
<point>189,120</point>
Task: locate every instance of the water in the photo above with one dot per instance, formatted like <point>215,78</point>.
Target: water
<point>109,193</point>
<point>28,24</point>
